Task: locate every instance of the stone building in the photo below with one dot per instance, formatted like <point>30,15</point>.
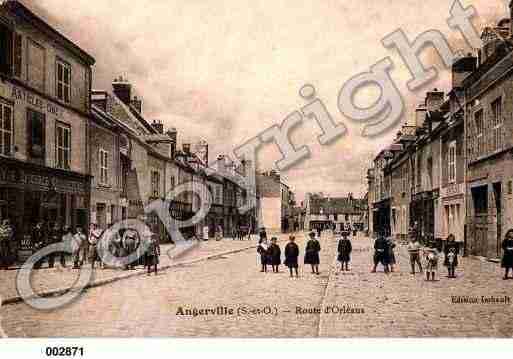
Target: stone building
<point>44,124</point>
<point>489,144</point>
<point>273,206</point>
<point>339,213</point>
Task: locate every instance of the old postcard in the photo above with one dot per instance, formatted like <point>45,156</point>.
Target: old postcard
<point>256,169</point>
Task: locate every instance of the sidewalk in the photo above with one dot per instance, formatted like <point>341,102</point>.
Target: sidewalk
<point>57,280</point>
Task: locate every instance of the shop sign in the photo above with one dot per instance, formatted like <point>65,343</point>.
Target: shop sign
<point>41,182</point>
<point>453,190</point>
<point>20,95</point>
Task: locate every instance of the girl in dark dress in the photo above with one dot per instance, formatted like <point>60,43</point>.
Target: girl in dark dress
<point>313,248</point>
<point>262,251</point>
<point>291,256</point>
<point>452,250</point>
<point>274,253</point>
<point>507,258</point>
<point>391,253</point>
<point>344,251</point>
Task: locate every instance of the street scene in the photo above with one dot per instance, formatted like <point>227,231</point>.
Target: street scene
<point>394,305</point>
<point>146,189</point>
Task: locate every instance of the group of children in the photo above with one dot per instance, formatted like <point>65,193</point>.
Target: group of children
<point>432,256</point>
<point>271,255</point>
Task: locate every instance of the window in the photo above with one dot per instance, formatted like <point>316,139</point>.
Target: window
<point>36,134</point>
<point>63,81</point>
<point>451,162</point>
<point>63,144</point>
<point>36,71</point>
<point>6,129</point>
<point>155,184</point>
<point>497,124</point>
<point>218,195</point>
<point>172,183</point>
<point>480,139</point>
<point>104,167</point>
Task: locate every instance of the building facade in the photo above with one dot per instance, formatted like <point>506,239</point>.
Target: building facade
<point>489,129</point>
<point>44,125</point>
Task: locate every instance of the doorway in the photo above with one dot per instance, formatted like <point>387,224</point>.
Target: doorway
<point>497,190</point>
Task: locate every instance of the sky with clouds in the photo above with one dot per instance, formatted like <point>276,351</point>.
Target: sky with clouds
<point>224,71</point>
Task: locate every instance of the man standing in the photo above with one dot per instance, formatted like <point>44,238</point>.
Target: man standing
<point>380,253</point>
<point>414,251</point>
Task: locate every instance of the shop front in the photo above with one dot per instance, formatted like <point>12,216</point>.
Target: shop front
<point>382,213</point>
<point>31,193</point>
<point>423,213</point>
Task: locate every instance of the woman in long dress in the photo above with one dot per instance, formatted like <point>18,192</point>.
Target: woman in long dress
<point>153,254</point>
<point>507,258</point>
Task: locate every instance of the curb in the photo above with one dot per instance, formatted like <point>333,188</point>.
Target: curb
<point>102,282</point>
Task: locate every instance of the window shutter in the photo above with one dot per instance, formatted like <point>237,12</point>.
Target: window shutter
<point>6,42</point>
<point>18,51</point>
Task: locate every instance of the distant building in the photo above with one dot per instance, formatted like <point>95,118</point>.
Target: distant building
<point>339,213</point>
<point>275,200</point>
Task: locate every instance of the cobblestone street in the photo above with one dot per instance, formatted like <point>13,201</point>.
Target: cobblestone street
<point>392,305</point>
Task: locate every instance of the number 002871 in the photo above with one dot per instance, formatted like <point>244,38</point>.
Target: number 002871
<point>64,351</point>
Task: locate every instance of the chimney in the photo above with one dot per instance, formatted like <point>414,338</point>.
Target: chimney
<point>420,115</point>
<point>434,99</point>
<point>172,134</point>
<point>186,148</point>
<point>123,90</point>
<point>137,104</point>
<point>158,127</point>
<point>221,163</point>
<point>461,69</point>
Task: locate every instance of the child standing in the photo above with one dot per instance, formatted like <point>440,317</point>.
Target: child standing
<point>275,255</point>
<point>262,251</point>
<point>432,256</point>
<point>345,249</point>
<point>313,247</point>
<point>291,256</point>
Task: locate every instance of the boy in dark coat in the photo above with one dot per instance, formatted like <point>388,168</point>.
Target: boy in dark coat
<point>274,253</point>
<point>507,258</point>
<point>291,256</point>
<point>313,247</point>
<point>344,251</point>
